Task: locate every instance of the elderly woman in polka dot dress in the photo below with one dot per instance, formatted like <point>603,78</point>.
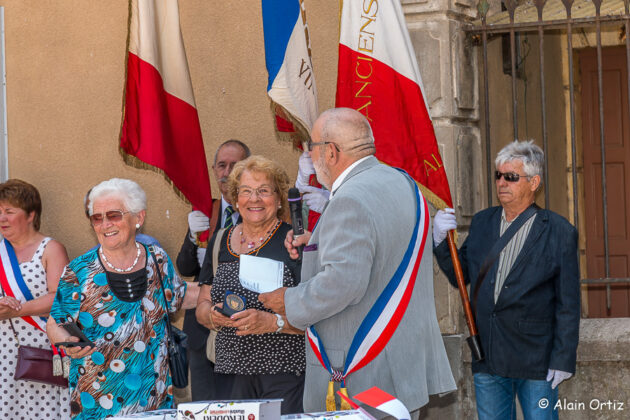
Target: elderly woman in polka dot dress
<point>264,355</point>
<point>114,294</point>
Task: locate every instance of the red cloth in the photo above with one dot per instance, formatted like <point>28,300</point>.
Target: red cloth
<point>378,76</point>
<point>161,125</point>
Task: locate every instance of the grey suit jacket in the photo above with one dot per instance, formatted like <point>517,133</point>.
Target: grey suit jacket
<point>361,238</point>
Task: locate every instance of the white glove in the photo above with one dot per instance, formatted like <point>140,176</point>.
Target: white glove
<point>197,222</point>
<point>443,221</point>
<point>201,254</point>
<point>315,198</point>
<point>557,376</point>
<point>305,170</point>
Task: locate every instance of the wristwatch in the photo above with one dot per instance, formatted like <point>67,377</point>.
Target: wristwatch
<point>279,323</point>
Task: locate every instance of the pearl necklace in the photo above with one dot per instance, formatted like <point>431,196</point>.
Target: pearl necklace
<point>252,244</point>
<point>121,270</point>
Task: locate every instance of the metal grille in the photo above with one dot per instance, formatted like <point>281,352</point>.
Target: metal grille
<point>615,12</point>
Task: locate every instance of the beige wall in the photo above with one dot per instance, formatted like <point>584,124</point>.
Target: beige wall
<point>65,63</point>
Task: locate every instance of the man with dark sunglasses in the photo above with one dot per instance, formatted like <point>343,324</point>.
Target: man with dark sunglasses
<point>521,262</point>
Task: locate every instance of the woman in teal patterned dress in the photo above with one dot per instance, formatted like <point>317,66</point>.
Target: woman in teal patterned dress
<point>114,294</point>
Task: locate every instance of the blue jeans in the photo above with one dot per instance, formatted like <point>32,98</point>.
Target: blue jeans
<point>495,396</point>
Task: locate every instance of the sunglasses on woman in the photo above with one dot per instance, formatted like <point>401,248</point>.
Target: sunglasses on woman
<point>113,216</point>
<point>508,176</point>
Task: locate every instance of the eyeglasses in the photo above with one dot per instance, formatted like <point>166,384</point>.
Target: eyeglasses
<point>113,216</point>
<point>509,176</point>
<point>264,191</point>
<point>321,143</point>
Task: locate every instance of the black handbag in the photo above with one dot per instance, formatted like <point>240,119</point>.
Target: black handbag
<point>177,341</point>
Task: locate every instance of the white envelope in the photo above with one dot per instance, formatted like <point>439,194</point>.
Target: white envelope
<point>260,275</point>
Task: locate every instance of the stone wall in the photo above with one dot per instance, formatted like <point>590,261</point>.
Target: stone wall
<point>448,65</point>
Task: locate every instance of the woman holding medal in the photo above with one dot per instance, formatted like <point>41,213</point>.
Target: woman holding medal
<point>114,294</point>
<point>263,353</point>
<point>31,265</point>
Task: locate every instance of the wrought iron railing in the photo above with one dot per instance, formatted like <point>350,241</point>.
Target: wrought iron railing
<point>616,12</point>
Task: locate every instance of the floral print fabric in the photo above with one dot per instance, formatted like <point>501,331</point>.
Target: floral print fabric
<point>129,371</point>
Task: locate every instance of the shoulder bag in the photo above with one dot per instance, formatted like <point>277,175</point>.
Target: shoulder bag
<point>177,340</point>
<point>211,353</point>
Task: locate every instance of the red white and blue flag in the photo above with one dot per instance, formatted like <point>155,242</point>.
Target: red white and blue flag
<point>291,84</point>
<point>378,76</point>
<point>13,283</point>
<point>381,321</point>
<point>161,125</point>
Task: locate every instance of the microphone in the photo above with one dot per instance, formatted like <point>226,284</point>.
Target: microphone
<point>295,207</point>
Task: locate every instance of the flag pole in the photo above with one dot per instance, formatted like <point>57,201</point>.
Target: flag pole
<point>473,340</point>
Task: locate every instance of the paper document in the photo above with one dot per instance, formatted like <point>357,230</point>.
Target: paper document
<point>260,275</point>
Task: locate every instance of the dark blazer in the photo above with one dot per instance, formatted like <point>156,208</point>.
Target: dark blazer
<point>534,326</point>
<point>188,266</point>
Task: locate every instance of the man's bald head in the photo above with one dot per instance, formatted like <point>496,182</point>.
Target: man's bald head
<point>349,130</point>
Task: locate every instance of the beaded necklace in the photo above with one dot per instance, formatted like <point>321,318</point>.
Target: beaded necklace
<point>252,244</point>
<point>121,270</point>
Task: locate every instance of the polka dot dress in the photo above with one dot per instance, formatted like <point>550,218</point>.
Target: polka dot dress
<point>24,399</point>
<point>256,354</point>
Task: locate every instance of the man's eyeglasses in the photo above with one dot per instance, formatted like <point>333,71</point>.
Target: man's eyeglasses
<point>113,216</point>
<point>509,176</point>
<point>322,143</point>
<point>264,191</point>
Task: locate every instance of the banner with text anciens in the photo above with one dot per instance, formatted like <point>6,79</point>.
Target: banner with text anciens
<point>378,76</point>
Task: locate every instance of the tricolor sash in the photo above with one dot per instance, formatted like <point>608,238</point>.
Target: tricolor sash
<point>381,321</point>
<point>13,283</point>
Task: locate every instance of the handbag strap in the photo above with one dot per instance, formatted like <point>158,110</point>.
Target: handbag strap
<point>498,247</point>
<point>215,250</point>
<point>17,340</point>
<point>168,308</point>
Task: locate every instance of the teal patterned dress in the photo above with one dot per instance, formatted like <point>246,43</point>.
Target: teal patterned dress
<point>128,372</point>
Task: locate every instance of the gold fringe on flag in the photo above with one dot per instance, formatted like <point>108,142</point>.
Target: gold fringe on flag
<point>301,133</point>
<point>137,163</point>
<point>432,198</point>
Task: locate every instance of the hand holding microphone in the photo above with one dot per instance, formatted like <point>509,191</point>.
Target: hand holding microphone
<point>295,207</point>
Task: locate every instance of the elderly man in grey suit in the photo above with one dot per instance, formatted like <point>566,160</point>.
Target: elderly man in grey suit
<point>353,253</point>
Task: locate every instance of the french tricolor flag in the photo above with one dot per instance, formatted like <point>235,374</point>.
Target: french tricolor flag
<point>291,83</point>
<point>382,401</point>
<point>161,125</point>
<point>378,76</point>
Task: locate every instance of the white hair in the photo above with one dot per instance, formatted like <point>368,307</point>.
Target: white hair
<point>527,152</point>
<point>129,192</point>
